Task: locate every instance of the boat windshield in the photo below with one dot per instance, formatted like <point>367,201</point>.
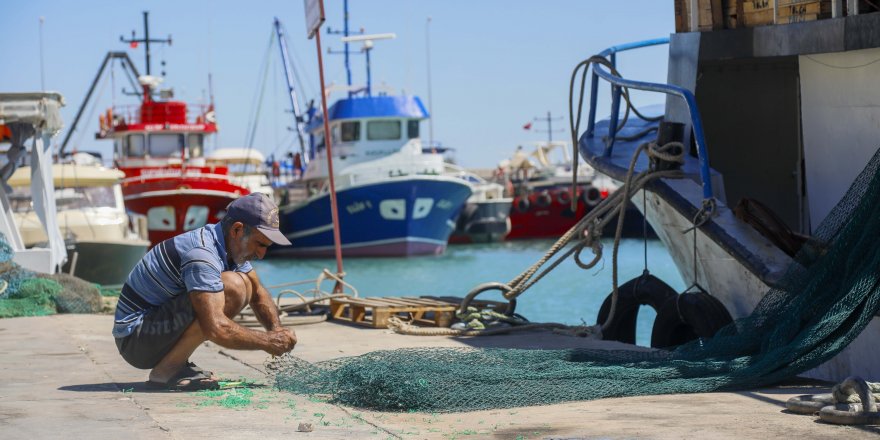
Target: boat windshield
<point>67,199</point>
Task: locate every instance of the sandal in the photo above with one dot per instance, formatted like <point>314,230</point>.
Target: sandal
<point>198,381</point>
<point>198,369</point>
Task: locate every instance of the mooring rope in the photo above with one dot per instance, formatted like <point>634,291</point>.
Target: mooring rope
<point>400,326</point>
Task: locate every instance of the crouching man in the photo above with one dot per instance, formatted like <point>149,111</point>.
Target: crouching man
<point>187,289</point>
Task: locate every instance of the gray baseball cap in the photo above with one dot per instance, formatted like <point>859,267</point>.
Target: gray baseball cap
<point>259,211</point>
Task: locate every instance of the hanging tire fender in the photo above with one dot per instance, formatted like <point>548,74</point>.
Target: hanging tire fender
<point>563,197</point>
<point>686,317</point>
<point>522,204</point>
<point>591,196</point>
<point>644,290</point>
<point>543,199</point>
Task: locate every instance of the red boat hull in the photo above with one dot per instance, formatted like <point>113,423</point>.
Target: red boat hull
<point>546,212</point>
<point>176,200</point>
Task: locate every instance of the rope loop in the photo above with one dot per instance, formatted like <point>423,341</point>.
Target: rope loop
<point>508,292</point>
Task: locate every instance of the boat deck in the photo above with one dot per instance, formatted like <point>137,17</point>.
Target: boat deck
<point>61,377</point>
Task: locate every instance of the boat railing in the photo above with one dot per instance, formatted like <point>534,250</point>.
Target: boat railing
<point>617,85</point>
<point>131,114</point>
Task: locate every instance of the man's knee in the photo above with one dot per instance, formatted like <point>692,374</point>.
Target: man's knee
<point>238,290</point>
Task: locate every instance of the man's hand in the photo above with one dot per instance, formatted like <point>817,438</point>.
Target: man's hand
<point>281,341</point>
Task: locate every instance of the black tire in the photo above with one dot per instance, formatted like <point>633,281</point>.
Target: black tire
<point>563,197</point>
<point>686,317</point>
<point>522,204</point>
<point>591,196</point>
<point>646,290</point>
<point>543,199</point>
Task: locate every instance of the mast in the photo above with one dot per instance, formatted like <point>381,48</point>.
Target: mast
<point>345,34</point>
<point>549,120</point>
<point>146,40</point>
<point>291,91</point>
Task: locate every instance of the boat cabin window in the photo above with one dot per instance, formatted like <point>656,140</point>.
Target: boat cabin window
<point>334,133</point>
<point>67,199</point>
<point>195,144</point>
<point>412,129</point>
<point>161,218</point>
<point>166,144</point>
<point>351,131</point>
<point>134,146</point>
<point>196,217</point>
<point>383,130</point>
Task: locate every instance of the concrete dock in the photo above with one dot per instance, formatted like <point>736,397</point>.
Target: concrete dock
<point>61,377</point>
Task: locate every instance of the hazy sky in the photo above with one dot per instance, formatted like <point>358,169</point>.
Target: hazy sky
<point>496,65</point>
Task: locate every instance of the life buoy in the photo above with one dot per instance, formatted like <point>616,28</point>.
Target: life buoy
<point>543,199</point>
<point>563,197</point>
<point>686,317</point>
<point>522,204</point>
<point>591,196</point>
<point>644,290</point>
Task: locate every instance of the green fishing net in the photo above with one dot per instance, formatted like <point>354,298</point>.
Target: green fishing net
<point>827,297</point>
<point>25,293</point>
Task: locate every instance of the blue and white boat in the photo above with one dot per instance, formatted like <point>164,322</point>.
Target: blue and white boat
<point>393,199</point>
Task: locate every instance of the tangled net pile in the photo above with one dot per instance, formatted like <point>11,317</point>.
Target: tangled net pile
<point>824,301</point>
<point>24,293</point>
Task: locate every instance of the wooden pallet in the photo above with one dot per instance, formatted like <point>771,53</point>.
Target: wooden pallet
<point>375,311</point>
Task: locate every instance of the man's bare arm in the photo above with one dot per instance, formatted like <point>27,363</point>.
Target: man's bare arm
<point>218,328</point>
<point>261,303</point>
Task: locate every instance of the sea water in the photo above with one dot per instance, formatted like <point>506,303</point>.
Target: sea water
<point>568,294</point>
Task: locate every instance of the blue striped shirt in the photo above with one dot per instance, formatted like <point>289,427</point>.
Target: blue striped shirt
<point>192,261</point>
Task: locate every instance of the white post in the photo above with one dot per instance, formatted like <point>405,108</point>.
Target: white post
<point>836,8</point>
<point>852,7</point>
<point>694,15</point>
<point>43,193</point>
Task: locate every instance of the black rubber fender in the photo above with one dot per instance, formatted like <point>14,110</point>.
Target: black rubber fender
<point>544,199</point>
<point>522,204</point>
<point>686,317</point>
<point>591,196</point>
<point>563,197</point>
<point>644,290</point>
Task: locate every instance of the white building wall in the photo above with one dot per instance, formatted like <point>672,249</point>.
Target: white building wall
<point>840,110</point>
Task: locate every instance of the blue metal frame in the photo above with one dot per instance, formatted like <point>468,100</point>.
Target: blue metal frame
<point>618,83</point>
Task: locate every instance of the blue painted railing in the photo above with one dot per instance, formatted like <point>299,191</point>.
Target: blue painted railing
<point>617,83</point>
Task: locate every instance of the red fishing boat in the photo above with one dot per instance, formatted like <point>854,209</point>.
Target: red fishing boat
<point>542,192</point>
<point>159,145</point>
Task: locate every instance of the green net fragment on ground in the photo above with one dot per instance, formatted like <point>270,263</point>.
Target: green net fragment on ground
<point>827,297</point>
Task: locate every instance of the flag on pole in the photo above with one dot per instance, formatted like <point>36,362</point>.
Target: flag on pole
<point>528,126</point>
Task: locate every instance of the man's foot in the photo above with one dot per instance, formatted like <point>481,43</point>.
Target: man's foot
<point>199,369</point>
<point>186,379</point>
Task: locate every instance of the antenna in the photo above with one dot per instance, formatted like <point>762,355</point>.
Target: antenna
<point>549,119</point>
<point>133,42</point>
<point>42,70</point>
<point>366,48</point>
<point>430,99</point>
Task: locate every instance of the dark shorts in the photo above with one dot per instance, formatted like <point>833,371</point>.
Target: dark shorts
<point>156,336</point>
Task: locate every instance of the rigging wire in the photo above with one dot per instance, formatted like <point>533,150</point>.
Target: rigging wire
<point>94,104</point>
<point>307,87</point>
<point>258,102</point>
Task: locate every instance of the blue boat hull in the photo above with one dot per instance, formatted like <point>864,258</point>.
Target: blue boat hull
<point>400,217</point>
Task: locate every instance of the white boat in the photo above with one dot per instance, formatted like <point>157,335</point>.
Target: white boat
<point>246,166</point>
<point>785,116</point>
<point>485,217</point>
<point>102,243</point>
